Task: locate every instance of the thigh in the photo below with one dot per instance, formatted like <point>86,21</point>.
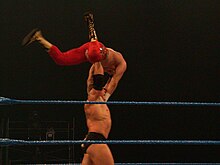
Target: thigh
<point>86,160</point>
<point>100,153</point>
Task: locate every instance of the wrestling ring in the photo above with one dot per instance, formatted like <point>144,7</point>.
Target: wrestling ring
<point>12,142</point>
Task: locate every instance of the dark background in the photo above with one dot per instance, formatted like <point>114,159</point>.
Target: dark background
<point>172,52</point>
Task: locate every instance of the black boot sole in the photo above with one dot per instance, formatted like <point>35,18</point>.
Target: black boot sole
<point>27,39</point>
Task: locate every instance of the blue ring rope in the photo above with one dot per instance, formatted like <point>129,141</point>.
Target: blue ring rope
<point>6,141</point>
<point>152,163</point>
<point>8,101</point>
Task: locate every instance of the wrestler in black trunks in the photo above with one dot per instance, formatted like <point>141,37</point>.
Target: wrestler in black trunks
<point>91,136</point>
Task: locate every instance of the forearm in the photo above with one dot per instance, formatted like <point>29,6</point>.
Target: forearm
<point>113,83</point>
<point>111,86</point>
<point>89,88</point>
<point>109,89</point>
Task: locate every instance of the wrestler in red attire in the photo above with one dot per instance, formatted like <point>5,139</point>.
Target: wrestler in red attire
<point>94,51</point>
<point>90,51</point>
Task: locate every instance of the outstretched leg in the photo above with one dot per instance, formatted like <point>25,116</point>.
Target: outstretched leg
<point>88,16</point>
<point>36,35</point>
<point>71,57</point>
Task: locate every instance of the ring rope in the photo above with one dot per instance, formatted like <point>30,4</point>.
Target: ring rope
<point>9,101</point>
<point>153,163</point>
<point>7,141</point>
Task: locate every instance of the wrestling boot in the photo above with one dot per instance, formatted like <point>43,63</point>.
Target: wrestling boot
<point>88,16</point>
<point>31,37</point>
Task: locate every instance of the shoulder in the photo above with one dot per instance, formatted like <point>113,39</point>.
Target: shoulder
<point>115,54</point>
<point>118,58</point>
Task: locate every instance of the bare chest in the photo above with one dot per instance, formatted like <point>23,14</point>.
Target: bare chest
<point>97,111</point>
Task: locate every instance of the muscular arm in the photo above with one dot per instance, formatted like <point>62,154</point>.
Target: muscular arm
<point>90,79</point>
<point>94,94</point>
<point>120,69</point>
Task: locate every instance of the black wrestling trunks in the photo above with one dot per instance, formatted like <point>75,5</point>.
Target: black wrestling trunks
<point>91,136</point>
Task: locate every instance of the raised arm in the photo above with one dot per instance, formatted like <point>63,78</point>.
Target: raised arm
<point>113,83</point>
<point>90,79</point>
<point>95,82</point>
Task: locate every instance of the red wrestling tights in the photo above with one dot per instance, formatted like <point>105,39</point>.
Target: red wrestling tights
<point>71,57</point>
